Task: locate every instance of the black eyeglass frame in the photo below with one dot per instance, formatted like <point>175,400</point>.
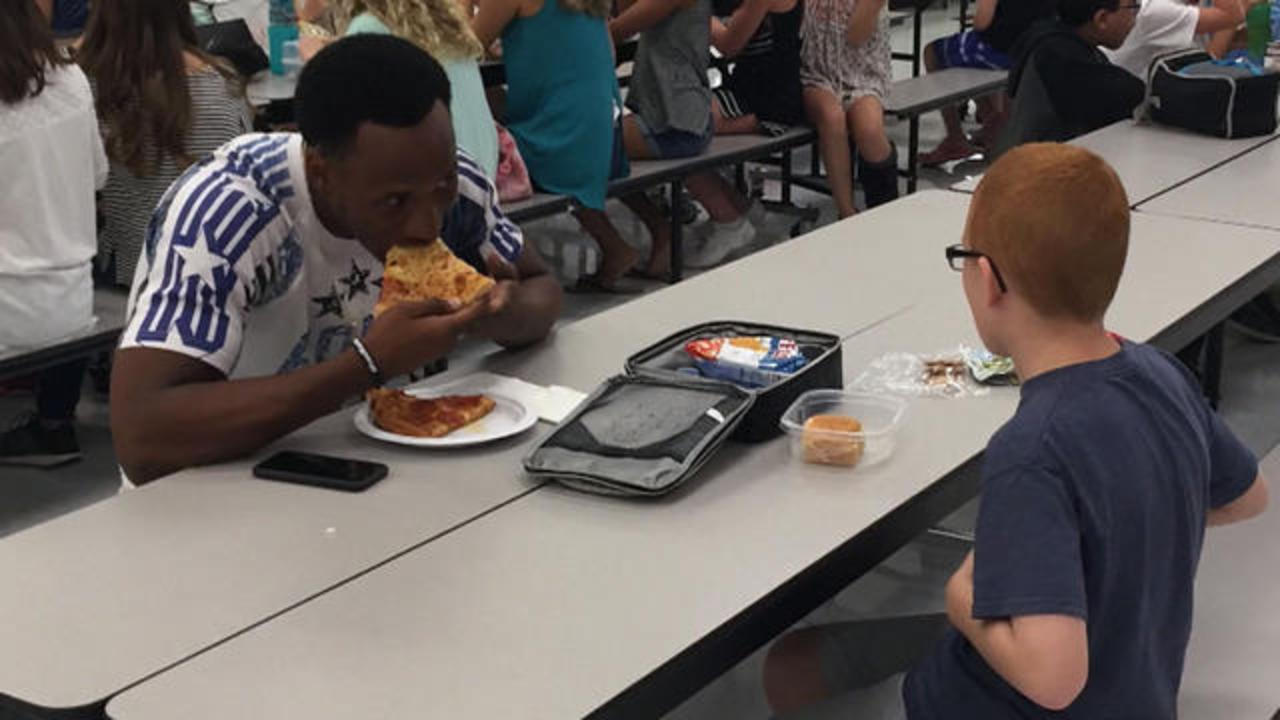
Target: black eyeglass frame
<point>961,253</point>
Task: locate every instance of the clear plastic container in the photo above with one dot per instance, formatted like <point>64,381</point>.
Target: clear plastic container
<point>881,417</point>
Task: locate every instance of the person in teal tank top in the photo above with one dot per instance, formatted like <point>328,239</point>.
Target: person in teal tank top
<point>561,92</point>
<point>439,27</point>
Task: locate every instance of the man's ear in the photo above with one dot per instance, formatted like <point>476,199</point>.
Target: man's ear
<point>1101,18</point>
<point>317,166</point>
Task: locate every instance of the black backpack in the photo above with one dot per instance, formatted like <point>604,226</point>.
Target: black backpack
<point>1221,105</point>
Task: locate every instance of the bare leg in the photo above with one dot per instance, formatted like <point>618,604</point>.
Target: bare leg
<point>824,111</point>
<point>954,146</point>
<point>633,140</point>
<point>818,663</point>
<point>865,118</point>
<point>793,674</point>
<point>743,125</point>
<point>659,264</point>
<point>722,201</point>
<point>618,256</point>
<point>995,112</point>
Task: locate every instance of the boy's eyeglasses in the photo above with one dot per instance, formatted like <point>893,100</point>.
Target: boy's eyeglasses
<point>1130,6</point>
<point>957,254</point>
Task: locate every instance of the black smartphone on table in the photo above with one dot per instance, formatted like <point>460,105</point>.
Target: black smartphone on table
<point>320,470</point>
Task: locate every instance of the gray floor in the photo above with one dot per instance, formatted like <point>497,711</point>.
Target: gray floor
<point>1232,664</point>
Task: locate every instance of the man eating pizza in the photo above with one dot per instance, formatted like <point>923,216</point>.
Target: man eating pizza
<point>252,309</point>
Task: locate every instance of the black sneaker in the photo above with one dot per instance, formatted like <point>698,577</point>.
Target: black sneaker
<point>29,442</point>
<point>1260,320</point>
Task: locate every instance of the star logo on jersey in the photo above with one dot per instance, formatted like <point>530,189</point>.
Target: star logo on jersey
<point>357,281</point>
<point>330,304</point>
<point>199,260</point>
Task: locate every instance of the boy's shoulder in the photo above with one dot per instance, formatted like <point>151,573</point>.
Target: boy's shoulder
<point>1091,405</point>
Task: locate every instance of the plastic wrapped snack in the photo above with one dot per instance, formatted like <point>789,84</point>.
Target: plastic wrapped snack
<point>753,362</point>
<point>988,368</point>
<point>940,375</point>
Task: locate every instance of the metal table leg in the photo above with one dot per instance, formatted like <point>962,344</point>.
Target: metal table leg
<point>677,232</point>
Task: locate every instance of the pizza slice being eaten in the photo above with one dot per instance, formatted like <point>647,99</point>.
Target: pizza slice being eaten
<point>401,413</point>
<point>424,272</point>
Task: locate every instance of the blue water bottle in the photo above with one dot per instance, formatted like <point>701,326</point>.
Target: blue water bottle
<point>282,27</point>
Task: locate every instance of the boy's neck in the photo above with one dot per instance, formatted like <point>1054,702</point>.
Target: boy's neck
<point>1059,345</point>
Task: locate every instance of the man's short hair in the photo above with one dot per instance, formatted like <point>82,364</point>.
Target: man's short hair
<point>373,78</point>
<point>1078,12</point>
<point>1054,219</point>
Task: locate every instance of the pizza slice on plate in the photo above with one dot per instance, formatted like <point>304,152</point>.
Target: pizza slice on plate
<point>424,272</point>
<point>401,413</point>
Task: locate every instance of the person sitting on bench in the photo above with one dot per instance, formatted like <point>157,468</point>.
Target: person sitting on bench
<point>1061,84</point>
<point>671,115</point>
<point>997,26</point>
<point>845,69</point>
<point>254,313</point>
<point>53,161</point>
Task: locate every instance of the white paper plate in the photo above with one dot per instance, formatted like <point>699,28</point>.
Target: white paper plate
<point>510,417</point>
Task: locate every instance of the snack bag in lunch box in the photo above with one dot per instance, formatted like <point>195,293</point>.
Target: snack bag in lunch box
<point>747,361</point>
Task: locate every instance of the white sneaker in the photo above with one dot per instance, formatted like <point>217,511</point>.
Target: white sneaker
<point>725,239</point>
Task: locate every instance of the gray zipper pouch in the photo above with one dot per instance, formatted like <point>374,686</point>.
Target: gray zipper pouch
<point>640,436</point>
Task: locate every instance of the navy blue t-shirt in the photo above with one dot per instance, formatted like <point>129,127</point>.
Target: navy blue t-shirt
<point>1094,502</point>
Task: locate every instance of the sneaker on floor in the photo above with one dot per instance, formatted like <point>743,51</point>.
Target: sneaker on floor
<point>34,443</point>
<point>724,240</point>
<point>1259,319</point>
<point>948,150</point>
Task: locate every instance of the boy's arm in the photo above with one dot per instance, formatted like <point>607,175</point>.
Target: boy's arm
<point>1220,42</point>
<point>1249,505</point>
<point>642,15</point>
<point>1224,15</point>
<point>1044,657</point>
<point>525,304</point>
<point>170,411</point>
<point>1089,92</point>
<point>984,14</point>
<point>731,36</point>
<point>866,14</point>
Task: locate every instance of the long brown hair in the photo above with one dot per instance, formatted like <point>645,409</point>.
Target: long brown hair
<point>27,51</point>
<point>134,51</point>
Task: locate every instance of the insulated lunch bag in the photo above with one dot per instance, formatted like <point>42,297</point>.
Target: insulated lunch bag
<point>1228,101</point>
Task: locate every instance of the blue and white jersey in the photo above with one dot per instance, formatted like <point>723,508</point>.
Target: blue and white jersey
<point>238,272</point>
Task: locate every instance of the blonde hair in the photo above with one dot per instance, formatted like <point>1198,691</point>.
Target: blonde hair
<point>437,26</point>
<point>1055,220</point>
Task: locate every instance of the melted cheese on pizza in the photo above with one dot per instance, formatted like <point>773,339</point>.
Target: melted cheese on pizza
<point>398,412</point>
<point>423,272</point>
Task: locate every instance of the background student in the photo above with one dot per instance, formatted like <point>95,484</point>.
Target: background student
<point>53,161</point>
<point>1166,25</point>
<point>561,98</point>
<point>162,103</point>
<point>761,88</point>
<point>671,117</point>
<point>1061,84</point>
<point>440,28</point>
<point>845,69</point>
<point>997,26</point>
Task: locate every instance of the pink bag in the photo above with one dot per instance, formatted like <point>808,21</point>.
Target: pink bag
<point>513,177</point>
